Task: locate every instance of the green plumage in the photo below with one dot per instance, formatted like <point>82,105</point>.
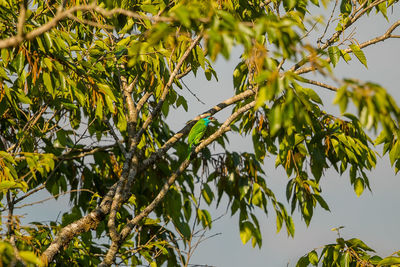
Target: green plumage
<point>197,132</point>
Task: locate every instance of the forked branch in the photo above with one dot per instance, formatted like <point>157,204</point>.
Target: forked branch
<point>110,257</point>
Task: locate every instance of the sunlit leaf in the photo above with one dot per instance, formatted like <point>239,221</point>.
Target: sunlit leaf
<point>359,54</point>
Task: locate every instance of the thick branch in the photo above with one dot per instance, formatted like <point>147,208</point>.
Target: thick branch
<point>156,155</point>
<point>21,20</point>
<point>142,100</point>
<point>109,259</point>
<point>91,220</point>
<point>17,39</point>
<point>132,116</point>
<point>84,224</point>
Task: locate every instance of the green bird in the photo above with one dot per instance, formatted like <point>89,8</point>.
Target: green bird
<point>197,132</point>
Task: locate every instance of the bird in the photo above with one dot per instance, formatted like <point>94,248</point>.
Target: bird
<point>197,132</point>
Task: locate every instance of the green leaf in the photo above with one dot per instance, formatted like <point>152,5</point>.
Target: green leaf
<point>279,221</point>
<point>375,259</point>
<point>30,257</point>
<point>23,98</point>
<point>303,262</point>
<point>205,218</point>
<point>47,83</point>
<point>289,4</point>
<point>312,95</point>
<point>105,89</point>
<point>322,202</point>
<point>183,228</point>
<point>246,231</point>
<point>183,15</point>
<point>359,186</point>
<point>20,62</point>
<point>275,119</point>
<point>208,195</point>
<point>200,56</point>
<point>208,74</point>
<point>48,40</point>
<point>7,185</point>
<point>290,226</point>
<point>345,56</point>
<point>359,54</point>
<point>389,261</point>
<point>334,54</point>
<point>341,99</point>
<point>383,9</point>
<point>357,243</point>
<point>345,7</point>
<point>313,257</point>
<point>394,153</point>
<point>345,259</point>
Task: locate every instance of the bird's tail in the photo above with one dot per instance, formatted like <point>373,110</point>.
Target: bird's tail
<point>189,152</point>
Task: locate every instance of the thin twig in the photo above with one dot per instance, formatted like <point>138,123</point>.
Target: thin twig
<point>386,35</point>
<point>320,84</point>
<point>119,142</point>
<point>327,25</point>
<point>90,23</point>
<point>53,197</point>
<point>193,94</point>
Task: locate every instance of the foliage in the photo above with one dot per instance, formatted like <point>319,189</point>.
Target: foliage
<point>352,252</point>
<point>85,90</point>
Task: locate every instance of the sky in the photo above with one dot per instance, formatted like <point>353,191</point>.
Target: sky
<point>372,217</point>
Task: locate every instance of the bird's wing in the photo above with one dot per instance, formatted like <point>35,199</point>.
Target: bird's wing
<point>197,132</point>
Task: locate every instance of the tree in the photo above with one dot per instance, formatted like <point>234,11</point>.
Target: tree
<point>85,90</point>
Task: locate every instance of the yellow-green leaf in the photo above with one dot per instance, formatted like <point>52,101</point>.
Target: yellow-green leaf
<point>30,257</point>
<point>394,153</point>
<point>313,257</point>
<point>246,230</point>
<point>334,54</point>
<point>359,54</point>
<point>6,185</point>
<point>47,83</point>
<point>389,261</point>
<point>359,186</point>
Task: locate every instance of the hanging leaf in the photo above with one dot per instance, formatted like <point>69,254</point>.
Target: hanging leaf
<point>334,54</point>
<point>359,54</point>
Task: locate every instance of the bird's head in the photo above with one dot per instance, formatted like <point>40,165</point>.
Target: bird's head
<point>208,119</point>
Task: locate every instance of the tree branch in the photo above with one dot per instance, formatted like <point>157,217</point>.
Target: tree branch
<point>110,257</point>
<point>156,155</point>
<point>114,135</point>
<point>353,18</point>
<point>166,88</point>
<point>143,100</point>
<point>91,220</point>
<point>386,35</point>
<point>60,15</point>
<point>54,197</point>
<point>84,224</point>
<point>320,84</point>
